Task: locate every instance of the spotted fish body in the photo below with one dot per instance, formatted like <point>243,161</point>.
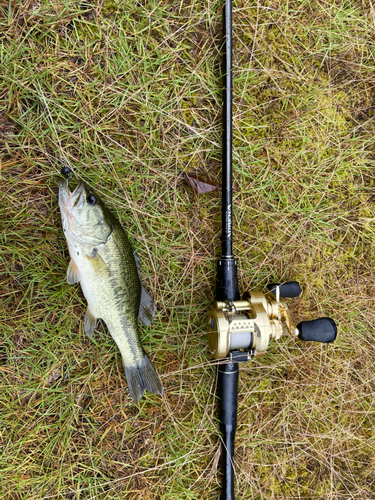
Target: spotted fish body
<point>103,262</point>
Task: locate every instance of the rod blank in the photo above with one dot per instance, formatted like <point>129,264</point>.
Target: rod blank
<point>227,133</point>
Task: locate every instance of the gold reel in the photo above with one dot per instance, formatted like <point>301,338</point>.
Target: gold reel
<point>248,325</point>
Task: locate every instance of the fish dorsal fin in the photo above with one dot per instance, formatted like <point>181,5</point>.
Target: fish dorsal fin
<point>147,307</point>
<point>137,262</point>
<point>72,274</point>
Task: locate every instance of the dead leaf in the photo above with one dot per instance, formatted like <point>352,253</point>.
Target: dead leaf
<point>199,185</point>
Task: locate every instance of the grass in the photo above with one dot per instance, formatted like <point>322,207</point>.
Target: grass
<point>128,94</point>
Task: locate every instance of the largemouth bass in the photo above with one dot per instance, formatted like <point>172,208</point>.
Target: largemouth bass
<point>103,262</point>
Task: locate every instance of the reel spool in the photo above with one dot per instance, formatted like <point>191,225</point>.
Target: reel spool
<point>241,329</point>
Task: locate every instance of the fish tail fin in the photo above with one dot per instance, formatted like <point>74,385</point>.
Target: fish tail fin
<point>142,376</point>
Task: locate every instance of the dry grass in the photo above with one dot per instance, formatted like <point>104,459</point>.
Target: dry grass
<point>128,94</point>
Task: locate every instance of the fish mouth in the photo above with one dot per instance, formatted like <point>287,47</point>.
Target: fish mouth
<point>69,200</point>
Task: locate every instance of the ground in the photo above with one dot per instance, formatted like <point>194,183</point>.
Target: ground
<point>129,95</point>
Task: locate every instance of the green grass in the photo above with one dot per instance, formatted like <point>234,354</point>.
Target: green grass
<point>128,94</point>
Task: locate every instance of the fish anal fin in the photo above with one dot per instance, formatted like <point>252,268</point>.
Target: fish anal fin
<point>89,324</point>
<point>72,274</point>
<point>147,308</point>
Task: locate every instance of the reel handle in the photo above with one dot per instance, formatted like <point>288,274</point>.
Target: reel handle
<point>289,290</point>
<point>319,330</point>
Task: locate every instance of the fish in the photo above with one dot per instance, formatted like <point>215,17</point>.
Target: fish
<point>104,264</point>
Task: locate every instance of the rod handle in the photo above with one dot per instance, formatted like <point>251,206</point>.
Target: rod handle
<point>228,396</point>
<point>226,280</point>
<point>318,330</point>
<point>290,289</point>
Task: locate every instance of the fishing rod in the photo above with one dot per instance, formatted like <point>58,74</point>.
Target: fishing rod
<point>239,329</point>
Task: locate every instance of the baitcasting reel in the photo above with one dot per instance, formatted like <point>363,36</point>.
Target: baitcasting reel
<point>240,329</point>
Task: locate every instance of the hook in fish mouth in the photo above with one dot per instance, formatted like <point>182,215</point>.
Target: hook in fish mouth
<point>69,198</point>
<point>77,198</point>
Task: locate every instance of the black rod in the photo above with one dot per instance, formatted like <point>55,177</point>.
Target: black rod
<point>227,133</point>
<point>227,392</point>
<point>226,278</point>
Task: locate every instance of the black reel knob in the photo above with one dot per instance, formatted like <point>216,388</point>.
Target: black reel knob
<point>289,290</point>
<point>318,330</point>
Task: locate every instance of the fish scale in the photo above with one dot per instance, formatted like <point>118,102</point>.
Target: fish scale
<point>103,263</point>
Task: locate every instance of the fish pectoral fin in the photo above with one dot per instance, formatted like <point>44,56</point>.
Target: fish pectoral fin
<point>72,274</point>
<point>89,324</point>
<point>97,261</point>
<point>147,308</point>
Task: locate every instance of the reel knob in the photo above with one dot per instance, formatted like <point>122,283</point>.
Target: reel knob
<point>318,330</point>
<point>289,290</point>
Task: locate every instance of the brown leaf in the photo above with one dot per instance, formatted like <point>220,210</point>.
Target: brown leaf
<point>199,185</point>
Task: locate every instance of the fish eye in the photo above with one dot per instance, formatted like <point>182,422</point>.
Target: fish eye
<point>91,199</point>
